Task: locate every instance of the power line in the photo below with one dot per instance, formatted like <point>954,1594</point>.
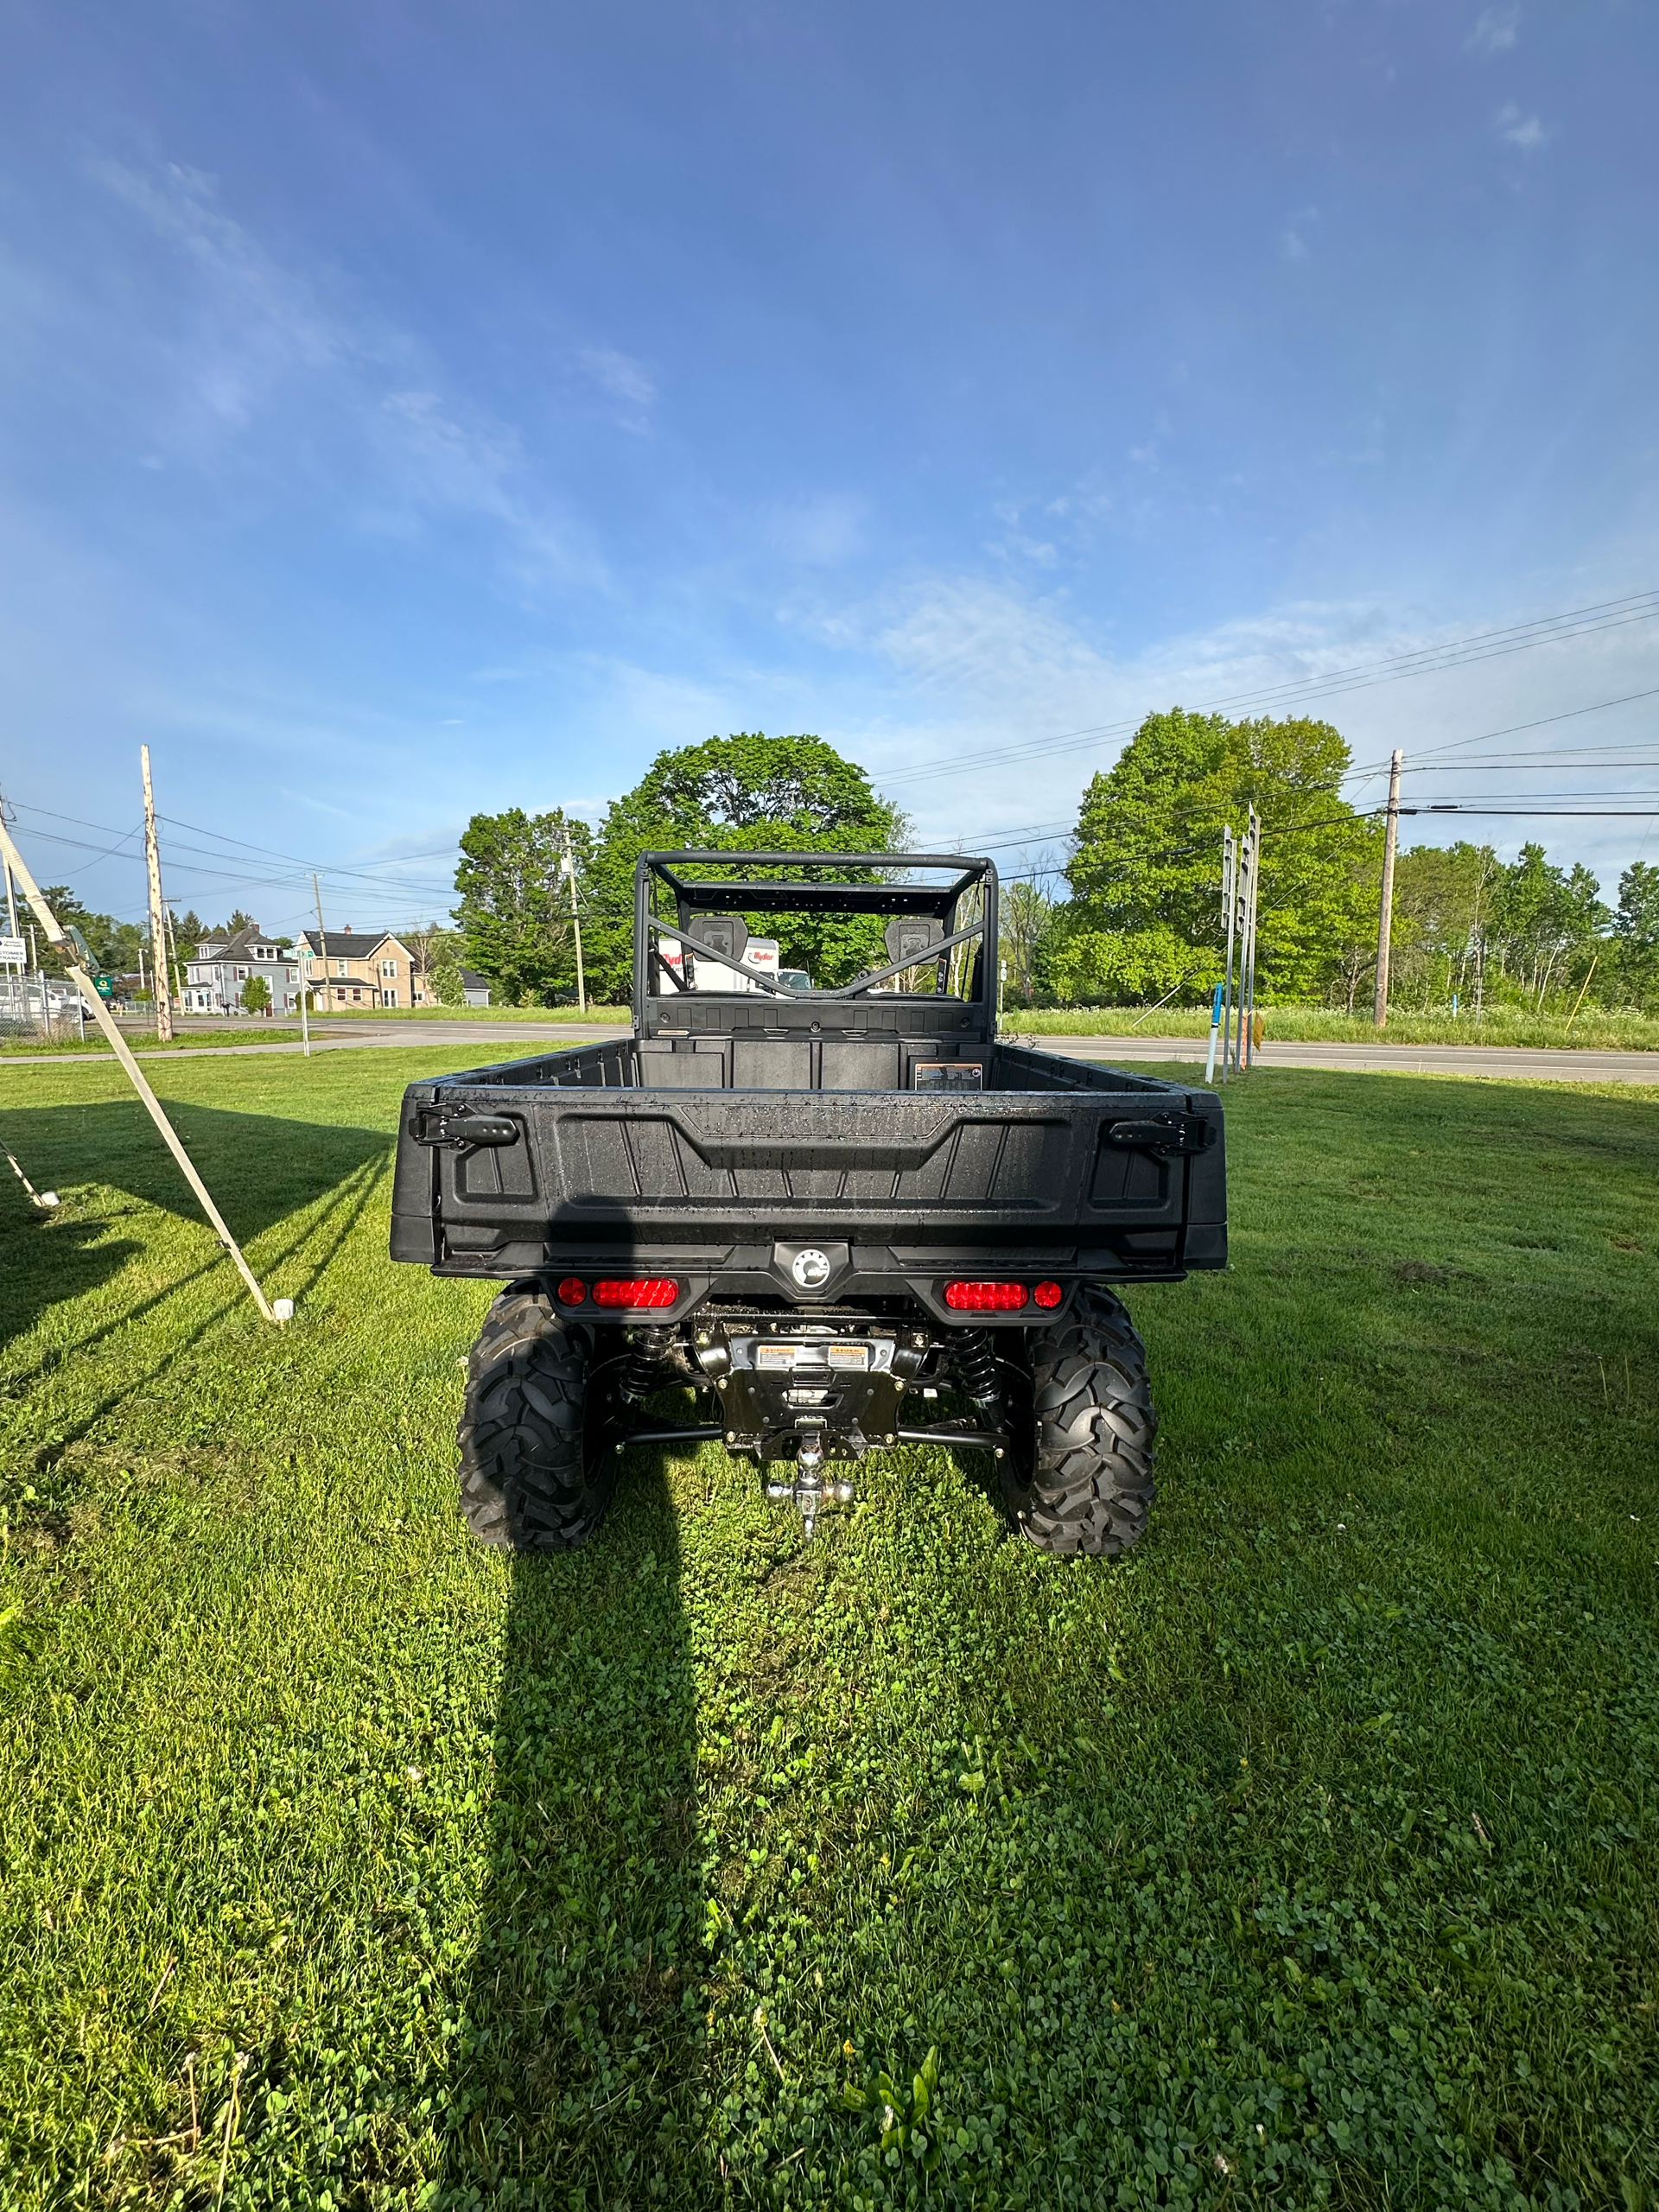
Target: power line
<point>1363,675</point>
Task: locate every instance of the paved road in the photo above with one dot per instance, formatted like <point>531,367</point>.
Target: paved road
<point>1384,1059</point>
<point>524,1038</point>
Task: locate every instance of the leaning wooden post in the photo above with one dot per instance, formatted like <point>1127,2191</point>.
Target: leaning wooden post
<point>64,946</point>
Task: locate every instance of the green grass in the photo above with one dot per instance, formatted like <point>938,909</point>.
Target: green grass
<point>1307,1857</point>
<point>1595,1029</point>
<point>143,1041</point>
<point>419,1013</point>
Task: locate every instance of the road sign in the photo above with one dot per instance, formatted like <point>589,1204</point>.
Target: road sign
<point>104,985</point>
<point>13,952</point>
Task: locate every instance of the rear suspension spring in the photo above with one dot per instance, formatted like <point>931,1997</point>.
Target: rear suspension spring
<point>975,1364</point>
<point>643,1372</point>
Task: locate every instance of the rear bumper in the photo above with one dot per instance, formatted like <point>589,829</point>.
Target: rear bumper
<point>859,1274</point>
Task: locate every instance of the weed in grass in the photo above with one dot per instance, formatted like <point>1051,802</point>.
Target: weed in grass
<point>1306,1857</point>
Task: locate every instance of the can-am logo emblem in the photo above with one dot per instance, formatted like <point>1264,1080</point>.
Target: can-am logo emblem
<point>810,1268</point>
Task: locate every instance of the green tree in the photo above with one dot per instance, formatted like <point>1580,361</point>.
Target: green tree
<point>1635,933</point>
<point>515,902</point>
<point>443,969</point>
<point>256,994</point>
<point>1028,932</point>
<point>114,945</point>
<point>745,792</point>
<point>1442,900</point>
<point>1145,916</point>
<point>1542,916</point>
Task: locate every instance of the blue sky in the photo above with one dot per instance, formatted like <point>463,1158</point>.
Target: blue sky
<point>408,409</point>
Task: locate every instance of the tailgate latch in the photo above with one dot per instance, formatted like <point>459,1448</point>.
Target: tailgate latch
<point>457,1126</point>
<point>1180,1135</point>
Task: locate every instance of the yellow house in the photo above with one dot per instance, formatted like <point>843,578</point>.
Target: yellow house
<point>352,968</point>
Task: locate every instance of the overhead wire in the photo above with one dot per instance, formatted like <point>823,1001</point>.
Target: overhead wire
<point>1363,675</point>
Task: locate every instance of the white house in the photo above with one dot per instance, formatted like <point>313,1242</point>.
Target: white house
<point>223,967</point>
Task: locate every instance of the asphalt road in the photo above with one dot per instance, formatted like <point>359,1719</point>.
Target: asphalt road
<point>484,1041</point>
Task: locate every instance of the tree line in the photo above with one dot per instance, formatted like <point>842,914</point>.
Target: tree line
<point>1133,915</point>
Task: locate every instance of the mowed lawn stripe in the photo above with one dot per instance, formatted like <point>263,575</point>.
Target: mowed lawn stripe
<point>1307,1856</point>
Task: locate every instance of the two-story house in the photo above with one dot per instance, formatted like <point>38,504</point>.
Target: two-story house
<point>222,967</point>
<point>360,968</point>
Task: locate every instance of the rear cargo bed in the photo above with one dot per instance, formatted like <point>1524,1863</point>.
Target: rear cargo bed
<point>625,1150</point>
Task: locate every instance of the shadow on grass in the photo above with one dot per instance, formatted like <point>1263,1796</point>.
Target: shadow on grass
<point>578,2076</point>
<point>260,1168</point>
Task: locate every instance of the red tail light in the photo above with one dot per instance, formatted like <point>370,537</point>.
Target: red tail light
<point>572,1291</point>
<point>985,1297</point>
<point>646,1291</point>
<point>1048,1293</point>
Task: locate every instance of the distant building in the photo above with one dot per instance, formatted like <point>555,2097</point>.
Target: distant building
<point>473,989</point>
<point>223,967</point>
<point>360,968</point>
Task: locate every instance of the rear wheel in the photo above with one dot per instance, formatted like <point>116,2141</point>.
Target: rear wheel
<point>1082,1481</point>
<point>537,1471</point>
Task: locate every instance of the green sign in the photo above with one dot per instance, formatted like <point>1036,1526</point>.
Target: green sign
<point>104,985</point>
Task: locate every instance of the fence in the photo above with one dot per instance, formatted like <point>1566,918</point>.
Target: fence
<point>39,1007</point>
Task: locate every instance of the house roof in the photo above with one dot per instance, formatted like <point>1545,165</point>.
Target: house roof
<point>472,980</point>
<point>351,944</point>
<point>239,947</point>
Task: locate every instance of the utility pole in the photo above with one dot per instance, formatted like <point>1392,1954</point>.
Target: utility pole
<point>576,920</point>
<point>157,926</point>
<point>1385,918</point>
<point>322,937</point>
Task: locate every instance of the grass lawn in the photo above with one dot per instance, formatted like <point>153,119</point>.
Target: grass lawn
<point>1308,1857</point>
<point>142,1041</point>
<point>1595,1029</point>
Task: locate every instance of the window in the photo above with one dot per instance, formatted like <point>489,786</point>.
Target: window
<point>389,998</point>
<point>389,968</point>
<point>340,967</point>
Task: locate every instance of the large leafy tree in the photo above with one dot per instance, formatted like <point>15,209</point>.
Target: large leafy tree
<point>514,911</point>
<point>746,793</point>
<point>1146,918</point>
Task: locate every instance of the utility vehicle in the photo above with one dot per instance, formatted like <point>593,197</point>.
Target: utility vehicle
<point>844,1214</point>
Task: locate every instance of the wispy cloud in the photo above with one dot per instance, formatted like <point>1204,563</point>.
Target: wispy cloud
<point>624,382</point>
<point>1295,234</point>
<point>246,323</point>
<point>1496,30</point>
<point>1528,132</point>
<point>820,533</point>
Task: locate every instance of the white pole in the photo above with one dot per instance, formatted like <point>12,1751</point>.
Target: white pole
<point>1229,904</point>
<point>64,948</point>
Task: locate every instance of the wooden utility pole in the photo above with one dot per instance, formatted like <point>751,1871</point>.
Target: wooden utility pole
<point>157,923</point>
<point>1385,920</point>
<point>64,945</point>
<point>575,921</point>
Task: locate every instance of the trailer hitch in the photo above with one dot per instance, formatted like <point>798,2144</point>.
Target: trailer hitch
<point>809,1493</point>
